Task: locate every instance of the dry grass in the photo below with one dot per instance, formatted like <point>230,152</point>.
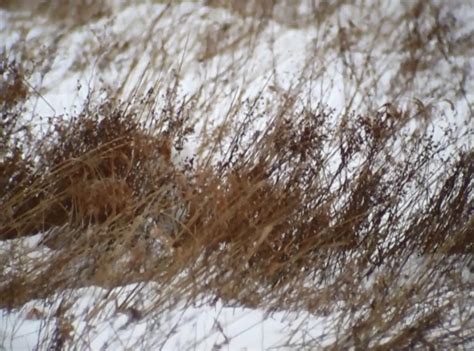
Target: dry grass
<point>365,216</point>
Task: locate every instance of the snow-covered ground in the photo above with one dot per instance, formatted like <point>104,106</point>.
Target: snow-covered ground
<point>194,328</point>
<point>275,61</point>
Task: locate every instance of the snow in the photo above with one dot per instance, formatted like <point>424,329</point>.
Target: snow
<point>200,328</point>
<point>277,62</point>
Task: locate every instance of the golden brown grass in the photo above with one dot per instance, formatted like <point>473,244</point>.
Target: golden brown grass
<point>364,216</point>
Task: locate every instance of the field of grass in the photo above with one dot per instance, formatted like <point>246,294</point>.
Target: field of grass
<point>310,161</point>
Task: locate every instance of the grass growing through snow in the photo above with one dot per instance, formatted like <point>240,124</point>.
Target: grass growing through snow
<point>361,214</point>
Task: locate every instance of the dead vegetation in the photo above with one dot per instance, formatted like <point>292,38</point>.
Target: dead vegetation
<point>364,215</point>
